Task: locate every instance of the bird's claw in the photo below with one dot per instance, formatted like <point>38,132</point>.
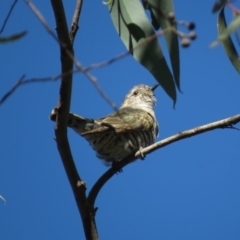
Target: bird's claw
<point>142,155</point>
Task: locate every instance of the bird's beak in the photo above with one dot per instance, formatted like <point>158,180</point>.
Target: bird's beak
<point>154,86</point>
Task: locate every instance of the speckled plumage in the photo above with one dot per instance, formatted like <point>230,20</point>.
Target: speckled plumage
<point>124,132</point>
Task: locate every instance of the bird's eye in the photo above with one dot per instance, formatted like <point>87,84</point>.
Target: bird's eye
<point>135,93</point>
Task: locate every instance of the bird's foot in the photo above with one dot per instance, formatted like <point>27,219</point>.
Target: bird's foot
<point>142,155</point>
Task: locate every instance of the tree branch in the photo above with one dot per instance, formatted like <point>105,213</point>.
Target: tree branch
<point>75,20</point>
<point>78,186</point>
<point>7,17</point>
<point>14,87</point>
<point>67,60</point>
<point>70,54</point>
<point>80,68</point>
<point>225,123</point>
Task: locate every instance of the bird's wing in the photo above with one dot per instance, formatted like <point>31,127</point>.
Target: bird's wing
<point>124,120</point>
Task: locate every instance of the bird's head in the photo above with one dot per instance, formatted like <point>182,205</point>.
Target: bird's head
<point>141,96</point>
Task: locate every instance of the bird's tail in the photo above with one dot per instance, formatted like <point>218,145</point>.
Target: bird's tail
<point>76,122</point>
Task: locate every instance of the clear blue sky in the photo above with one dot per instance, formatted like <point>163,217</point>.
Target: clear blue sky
<point>187,190</point>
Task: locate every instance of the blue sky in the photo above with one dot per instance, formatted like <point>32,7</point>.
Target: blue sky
<point>187,190</point>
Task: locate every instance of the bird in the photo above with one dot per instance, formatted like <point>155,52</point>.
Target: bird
<point>124,132</point>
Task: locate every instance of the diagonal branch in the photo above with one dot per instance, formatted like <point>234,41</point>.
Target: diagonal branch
<point>82,69</point>
<point>70,54</point>
<point>14,87</point>
<point>225,123</point>
<point>8,15</point>
<point>23,81</point>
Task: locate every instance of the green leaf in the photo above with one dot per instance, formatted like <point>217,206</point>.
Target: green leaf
<point>159,10</point>
<point>228,43</point>
<point>12,37</point>
<point>227,31</point>
<point>154,20</point>
<point>133,27</point>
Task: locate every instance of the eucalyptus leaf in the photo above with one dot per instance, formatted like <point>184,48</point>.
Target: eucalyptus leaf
<point>228,43</point>
<point>160,9</point>
<point>134,28</point>
<point>218,5</point>
<point>12,37</point>
<point>227,31</point>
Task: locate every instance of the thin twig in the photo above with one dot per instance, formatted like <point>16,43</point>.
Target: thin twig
<point>75,20</point>
<point>122,55</point>
<point>225,123</point>
<point>8,15</point>
<point>21,82</point>
<point>233,8</point>
<point>34,80</point>
<point>88,68</point>
<point>69,53</point>
<point>78,64</point>
<point>14,87</point>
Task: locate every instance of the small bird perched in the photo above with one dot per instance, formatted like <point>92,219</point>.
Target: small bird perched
<point>122,133</point>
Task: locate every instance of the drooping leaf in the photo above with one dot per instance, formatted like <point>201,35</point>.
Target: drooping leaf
<point>228,43</point>
<point>147,6</point>
<point>133,27</point>
<point>218,5</point>
<point>160,9</point>
<point>12,37</point>
<point>154,20</point>
<point>227,31</point>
